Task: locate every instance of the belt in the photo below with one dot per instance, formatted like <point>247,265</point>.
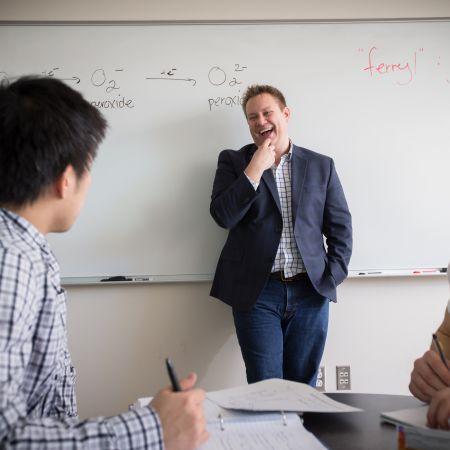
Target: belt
<point>280,276</point>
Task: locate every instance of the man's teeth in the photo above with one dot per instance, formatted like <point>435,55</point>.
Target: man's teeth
<point>268,130</point>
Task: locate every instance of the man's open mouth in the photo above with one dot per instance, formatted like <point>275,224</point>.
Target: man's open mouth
<point>266,131</point>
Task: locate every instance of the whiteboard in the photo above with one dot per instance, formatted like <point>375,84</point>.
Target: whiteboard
<point>374,96</point>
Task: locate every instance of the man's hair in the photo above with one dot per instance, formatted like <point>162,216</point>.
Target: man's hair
<point>258,89</point>
<point>44,126</point>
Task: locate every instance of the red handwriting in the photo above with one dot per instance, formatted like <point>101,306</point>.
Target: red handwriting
<point>383,68</point>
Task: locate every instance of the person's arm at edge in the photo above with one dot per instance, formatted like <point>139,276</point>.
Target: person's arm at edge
<point>439,411</point>
<point>443,334</point>
<point>429,374</point>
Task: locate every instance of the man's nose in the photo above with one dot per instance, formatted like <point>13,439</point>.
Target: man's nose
<point>261,120</point>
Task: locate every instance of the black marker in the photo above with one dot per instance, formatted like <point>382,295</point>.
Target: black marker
<point>173,376</point>
<point>117,278</point>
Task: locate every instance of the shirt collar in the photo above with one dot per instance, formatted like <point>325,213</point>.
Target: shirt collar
<point>27,230</point>
<point>287,156</point>
<point>289,153</point>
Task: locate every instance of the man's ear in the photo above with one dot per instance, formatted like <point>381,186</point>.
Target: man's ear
<point>63,182</point>
<point>287,113</point>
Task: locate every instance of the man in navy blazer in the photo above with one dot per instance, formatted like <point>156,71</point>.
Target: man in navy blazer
<point>279,201</point>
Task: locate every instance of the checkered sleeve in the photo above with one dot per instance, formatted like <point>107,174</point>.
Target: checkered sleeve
<point>137,429</point>
<point>17,287</point>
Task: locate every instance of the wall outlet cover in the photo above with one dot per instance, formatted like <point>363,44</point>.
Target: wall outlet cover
<point>343,378</point>
<point>320,381</point>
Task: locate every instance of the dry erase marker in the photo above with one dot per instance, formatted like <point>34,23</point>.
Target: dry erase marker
<point>424,271</point>
<point>439,350</point>
<point>173,376</point>
<point>117,278</point>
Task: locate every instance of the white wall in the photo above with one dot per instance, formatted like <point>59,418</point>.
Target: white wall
<point>120,335</point>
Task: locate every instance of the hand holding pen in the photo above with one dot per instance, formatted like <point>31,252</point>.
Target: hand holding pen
<point>430,373</point>
<point>180,410</point>
<point>438,415</point>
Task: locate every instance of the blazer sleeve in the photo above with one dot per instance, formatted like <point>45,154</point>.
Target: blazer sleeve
<point>337,228</point>
<point>232,194</point>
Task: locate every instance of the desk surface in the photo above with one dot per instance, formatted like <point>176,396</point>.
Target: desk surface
<point>359,430</point>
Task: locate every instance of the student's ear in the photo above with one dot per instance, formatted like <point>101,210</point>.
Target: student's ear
<point>64,181</point>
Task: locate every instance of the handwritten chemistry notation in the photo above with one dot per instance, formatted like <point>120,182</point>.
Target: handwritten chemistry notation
<point>373,64</point>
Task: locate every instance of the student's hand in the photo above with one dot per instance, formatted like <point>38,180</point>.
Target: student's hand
<point>428,376</point>
<point>262,159</point>
<point>181,415</point>
<point>439,411</point>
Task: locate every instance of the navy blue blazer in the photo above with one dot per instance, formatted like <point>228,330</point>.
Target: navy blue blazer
<point>254,221</point>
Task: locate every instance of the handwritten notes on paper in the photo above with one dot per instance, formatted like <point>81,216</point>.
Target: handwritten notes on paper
<point>263,435</point>
<point>277,395</point>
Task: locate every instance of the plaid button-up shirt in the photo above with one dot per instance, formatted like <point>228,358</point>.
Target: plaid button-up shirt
<point>37,380</point>
<point>288,258</point>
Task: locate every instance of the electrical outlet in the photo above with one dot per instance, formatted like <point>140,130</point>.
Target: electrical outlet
<point>320,381</point>
<point>343,378</point>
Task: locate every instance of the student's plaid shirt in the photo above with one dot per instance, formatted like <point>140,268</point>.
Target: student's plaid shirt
<point>37,380</point>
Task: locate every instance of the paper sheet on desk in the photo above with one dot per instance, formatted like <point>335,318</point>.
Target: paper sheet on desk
<point>212,411</point>
<point>277,395</point>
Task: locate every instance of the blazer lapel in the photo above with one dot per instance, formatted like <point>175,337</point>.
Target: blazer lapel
<point>299,166</point>
<point>269,179</point>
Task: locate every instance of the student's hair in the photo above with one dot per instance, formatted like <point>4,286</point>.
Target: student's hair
<point>258,89</point>
<point>44,126</point>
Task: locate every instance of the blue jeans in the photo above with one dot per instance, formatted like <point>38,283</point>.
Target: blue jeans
<point>283,335</point>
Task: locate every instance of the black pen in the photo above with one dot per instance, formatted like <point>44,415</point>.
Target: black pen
<point>173,376</point>
<point>439,350</point>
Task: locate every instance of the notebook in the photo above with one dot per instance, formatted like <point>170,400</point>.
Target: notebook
<point>412,424</point>
<point>264,416</point>
<point>236,429</point>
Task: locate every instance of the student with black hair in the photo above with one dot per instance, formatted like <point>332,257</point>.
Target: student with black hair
<point>49,137</point>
